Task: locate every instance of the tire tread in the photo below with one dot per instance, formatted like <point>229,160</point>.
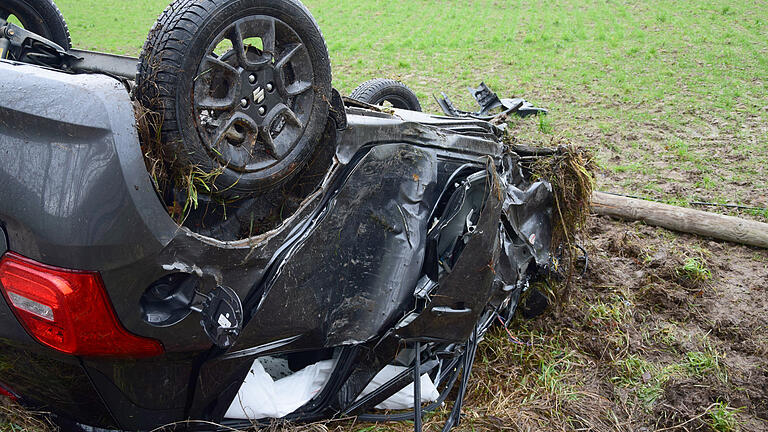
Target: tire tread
<point>374,91</point>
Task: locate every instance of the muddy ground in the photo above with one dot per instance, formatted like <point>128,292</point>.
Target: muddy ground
<point>641,343</point>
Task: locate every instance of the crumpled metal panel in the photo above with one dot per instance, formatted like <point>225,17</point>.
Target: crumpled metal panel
<point>466,271</point>
<point>344,283</point>
<point>528,210</point>
<point>526,236</point>
<point>502,250</point>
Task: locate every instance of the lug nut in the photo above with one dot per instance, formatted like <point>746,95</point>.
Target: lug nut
<point>244,103</point>
<point>262,110</point>
<point>252,79</point>
<point>270,87</point>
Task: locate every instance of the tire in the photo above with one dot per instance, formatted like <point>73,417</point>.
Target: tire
<point>41,17</point>
<point>182,71</point>
<point>380,90</point>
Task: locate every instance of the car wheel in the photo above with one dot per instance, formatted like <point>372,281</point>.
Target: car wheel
<point>242,89</point>
<point>378,91</point>
<point>41,17</point>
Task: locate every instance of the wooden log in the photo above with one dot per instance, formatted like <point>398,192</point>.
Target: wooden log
<point>682,219</point>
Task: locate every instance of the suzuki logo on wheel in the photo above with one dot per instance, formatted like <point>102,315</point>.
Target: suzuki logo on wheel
<point>258,95</point>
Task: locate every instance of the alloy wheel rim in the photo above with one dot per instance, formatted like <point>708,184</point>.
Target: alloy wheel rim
<point>252,103</point>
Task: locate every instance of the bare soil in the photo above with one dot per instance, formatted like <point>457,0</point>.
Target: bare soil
<point>636,306</point>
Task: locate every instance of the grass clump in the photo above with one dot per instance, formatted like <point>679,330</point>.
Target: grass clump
<point>645,378</point>
<point>722,418</point>
<point>571,171</point>
<point>545,124</point>
<point>167,172</point>
<point>701,363</point>
<point>694,269</point>
<point>554,369</point>
<point>617,311</point>
<point>14,418</point>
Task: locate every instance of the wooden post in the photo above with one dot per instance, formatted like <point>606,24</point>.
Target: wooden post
<point>682,219</point>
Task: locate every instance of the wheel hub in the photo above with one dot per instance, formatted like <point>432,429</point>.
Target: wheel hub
<point>258,94</point>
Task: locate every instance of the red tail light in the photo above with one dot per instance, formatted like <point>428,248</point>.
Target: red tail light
<point>68,310</point>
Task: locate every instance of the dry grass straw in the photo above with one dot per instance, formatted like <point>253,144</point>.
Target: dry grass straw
<point>571,172</point>
<point>17,419</point>
<point>166,170</point>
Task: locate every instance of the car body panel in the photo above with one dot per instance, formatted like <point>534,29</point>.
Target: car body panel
<point>45,379</point>
<point>74,177</point>
<point>354,273</point>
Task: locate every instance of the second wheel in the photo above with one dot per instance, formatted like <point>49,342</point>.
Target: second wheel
<point>380,91</point>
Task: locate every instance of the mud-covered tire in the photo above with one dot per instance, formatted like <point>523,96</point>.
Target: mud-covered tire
<point>173,58</point>
<point>380,90</point>
<point>41,17</point>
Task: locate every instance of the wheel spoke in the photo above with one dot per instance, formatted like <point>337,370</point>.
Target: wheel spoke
<point>210,63</point>
<point>238,44</point>
<point>262,28</point>
<point>237,157</point>
<point>236,119</point>
<point>299,86</point>
<point>215,104</point>
<point>282,110</point>
<point>279,147</point>
<point>266,136</point>
<point>220,135</point>
<point>289,53</point>
<point>269,38</point>
<point>207,79</point>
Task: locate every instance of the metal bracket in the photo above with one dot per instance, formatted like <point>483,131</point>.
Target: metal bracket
<point>27,47</point>
<point>110,64</point>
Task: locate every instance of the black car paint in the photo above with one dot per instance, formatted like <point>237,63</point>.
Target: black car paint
<point>76,194</point>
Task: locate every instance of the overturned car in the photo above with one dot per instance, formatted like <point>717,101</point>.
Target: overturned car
<point>308,256</point>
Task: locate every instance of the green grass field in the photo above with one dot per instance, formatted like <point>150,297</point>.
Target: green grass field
<point>672,94</point>
<point>668,332</point>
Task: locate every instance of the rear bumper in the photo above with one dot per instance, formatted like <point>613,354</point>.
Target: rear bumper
<point>96,392</point>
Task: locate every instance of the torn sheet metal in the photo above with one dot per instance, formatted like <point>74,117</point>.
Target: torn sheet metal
<point>420,237</point>
<point>491,106</point>
<point>342,282</point>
